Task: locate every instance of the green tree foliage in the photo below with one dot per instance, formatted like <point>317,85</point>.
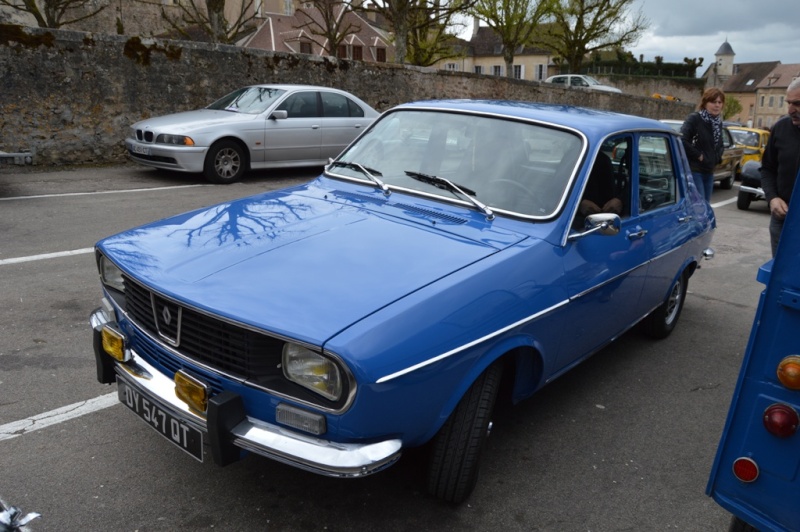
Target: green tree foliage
<point>732,107</point>
<point>208,17</point>
<point>514,22</point>
<point>56,13</point>
<point>583,26</point>
<point>328,24</point>
<point>419,22</point>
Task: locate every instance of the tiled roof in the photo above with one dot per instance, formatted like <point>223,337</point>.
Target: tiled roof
<point>780,76</point>
<point>747,76</point>
<point>487,43</point>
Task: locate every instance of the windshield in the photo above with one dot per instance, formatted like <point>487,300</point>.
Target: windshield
<point>248,100</point>
<point>490,163</point>
<point>747,138</point>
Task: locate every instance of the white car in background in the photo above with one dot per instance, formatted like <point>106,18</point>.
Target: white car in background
<point>256,127</point>
<point>579,80</point>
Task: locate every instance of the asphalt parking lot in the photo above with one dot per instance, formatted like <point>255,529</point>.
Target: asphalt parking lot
<point>623,442</point>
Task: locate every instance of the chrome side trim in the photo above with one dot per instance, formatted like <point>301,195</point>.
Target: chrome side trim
<point>470,344</point>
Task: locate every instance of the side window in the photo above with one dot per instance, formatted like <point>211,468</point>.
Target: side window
<point>334,105</point>
<point>300,105</point>
<point>559,80</point>
<point>657,176</point>
<point>608,187</point>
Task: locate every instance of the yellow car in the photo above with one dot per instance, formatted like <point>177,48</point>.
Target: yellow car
<point>753,140</point>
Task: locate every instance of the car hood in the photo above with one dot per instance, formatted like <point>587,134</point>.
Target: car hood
<point>191,120</point>
<point>304,263</point>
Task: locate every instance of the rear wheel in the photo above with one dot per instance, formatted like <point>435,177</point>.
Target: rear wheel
<point>661,322</point>
<point>743,200</point>
<point>737,525</point>
<point>456,449</point>
<point>727,183</point>
<point>225,162</point>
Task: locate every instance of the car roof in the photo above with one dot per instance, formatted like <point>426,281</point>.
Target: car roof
<point>596,121</point>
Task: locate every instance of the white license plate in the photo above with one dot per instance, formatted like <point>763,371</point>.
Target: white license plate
<point>181,434</point>
<point>141,150</point>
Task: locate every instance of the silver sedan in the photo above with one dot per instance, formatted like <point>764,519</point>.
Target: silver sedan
<point>261,126</point>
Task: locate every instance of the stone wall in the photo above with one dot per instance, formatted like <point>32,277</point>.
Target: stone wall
<point>69,97</point>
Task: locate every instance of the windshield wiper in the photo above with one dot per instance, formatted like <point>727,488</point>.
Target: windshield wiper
<point>446,184</point>
<point>371,173</point>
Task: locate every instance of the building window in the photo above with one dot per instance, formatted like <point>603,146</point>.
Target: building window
<point>380,55</point>
<point>479,69</point>
<point>762,102</point>
<point>781,102</point>
<point>451,66</point>
<point>358,53</point>
<point>305,48</point>
<point>342,51</point>
<point>540,72</point>
<point>517,71</point>
<point>772,101</point>
<point>497,70</point>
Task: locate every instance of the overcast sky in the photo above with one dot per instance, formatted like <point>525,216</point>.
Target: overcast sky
<point>757,30</point>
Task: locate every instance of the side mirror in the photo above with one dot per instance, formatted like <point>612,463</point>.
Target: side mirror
<point>279,115</point>
<point>604,223</point>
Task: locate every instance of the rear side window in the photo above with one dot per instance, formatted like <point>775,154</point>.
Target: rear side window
<point>338,105</point>
<point>657,176</point>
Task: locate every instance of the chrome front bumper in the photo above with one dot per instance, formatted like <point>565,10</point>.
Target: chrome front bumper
<point>229,429</point>
<point>752,190</point>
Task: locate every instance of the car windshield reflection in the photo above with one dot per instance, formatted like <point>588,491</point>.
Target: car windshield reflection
<point>248,100</point>
<point>512,167</point>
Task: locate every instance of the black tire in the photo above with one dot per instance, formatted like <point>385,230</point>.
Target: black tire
<point>225,163</point>
<point>737,525</point>
<point>743,200</point>
<point>660,323</point>
<point>727,183</point>
<point>456,449</point>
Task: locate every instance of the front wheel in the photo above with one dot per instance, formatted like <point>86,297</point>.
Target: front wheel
<point>225,162</point>
<point>456,449</point>
<point>661,322</point>
<point>743,200</point>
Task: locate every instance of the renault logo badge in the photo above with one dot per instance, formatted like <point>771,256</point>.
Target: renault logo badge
<point>165,315</point>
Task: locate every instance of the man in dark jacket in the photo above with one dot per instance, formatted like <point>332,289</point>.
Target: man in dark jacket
<point>781,162</point>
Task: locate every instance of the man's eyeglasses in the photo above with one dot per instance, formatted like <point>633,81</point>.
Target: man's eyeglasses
<point>796,103</point>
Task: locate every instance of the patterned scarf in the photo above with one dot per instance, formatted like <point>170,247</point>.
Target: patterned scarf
<point>716,125</point>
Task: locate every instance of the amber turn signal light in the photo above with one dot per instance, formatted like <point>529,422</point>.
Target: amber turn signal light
<point>789,372</point>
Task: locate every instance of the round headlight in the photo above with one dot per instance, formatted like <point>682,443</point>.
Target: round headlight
<point>312,370</point>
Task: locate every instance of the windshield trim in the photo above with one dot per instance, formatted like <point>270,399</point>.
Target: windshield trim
<point>328,170</point>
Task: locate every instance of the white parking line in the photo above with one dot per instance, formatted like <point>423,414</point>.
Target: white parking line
<point>54,417</point>
<point>46,256</point>
<point>101,192</point>
<point>723,203</point>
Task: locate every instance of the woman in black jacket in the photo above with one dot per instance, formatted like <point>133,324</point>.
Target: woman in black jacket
<point>702,139</point>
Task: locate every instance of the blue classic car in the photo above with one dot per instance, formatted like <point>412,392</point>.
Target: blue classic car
<point>454,253</point>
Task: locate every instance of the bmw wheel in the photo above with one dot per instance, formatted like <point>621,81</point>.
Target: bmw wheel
<point>225,162</point>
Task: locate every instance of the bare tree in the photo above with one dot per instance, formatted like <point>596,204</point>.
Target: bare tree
<point>514,22</point>
<point>431,38</point>
<point>328,23</point>
<point>420,18</point>
<point>208,17</point>
<point>55,13</point>
<point>583,26</point>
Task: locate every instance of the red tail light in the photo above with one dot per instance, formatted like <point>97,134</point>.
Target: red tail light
<point>781,420</point>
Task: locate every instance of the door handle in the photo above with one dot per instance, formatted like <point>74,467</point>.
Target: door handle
<point>638,234</point>
<point>684,219</point>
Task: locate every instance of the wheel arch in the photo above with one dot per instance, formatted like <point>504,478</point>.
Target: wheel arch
<point>238,141</point>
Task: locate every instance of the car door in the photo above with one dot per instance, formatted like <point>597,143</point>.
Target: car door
<point>342,121</point>
<point>665,221</point>
<point>604,275</point>
<point>730,156</point>
<point>296,138</point>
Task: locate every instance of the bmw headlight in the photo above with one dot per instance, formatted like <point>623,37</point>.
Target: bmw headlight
<point>175,140</point>
<point>110,274</point>
<point>312,370</point>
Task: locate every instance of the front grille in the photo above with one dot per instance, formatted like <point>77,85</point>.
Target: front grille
<point>226,347</point>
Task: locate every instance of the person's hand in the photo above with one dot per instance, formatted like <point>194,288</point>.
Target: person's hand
<point>778,208</point>
<point>700,158</point>
<point>613,205</point>
<point>588,207</point>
